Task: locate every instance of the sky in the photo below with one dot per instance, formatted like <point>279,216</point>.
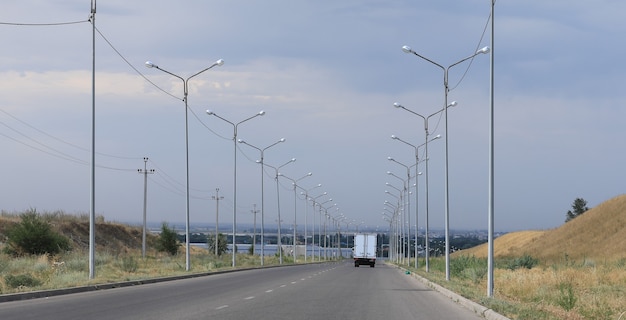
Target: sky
<point>326,74</point>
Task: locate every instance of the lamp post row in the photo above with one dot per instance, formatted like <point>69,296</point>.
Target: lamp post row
<point>185,82</point>
<point>446,88</point>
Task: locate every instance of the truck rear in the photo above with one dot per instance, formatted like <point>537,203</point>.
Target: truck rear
<point>364,251</point>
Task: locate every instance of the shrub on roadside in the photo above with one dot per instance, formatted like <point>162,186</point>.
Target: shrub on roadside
<point>33,235</point>
<point>525,261</point>
<point>168,240</point>
<point>21,280</point>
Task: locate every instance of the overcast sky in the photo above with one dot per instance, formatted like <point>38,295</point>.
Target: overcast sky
<point>326,73</point>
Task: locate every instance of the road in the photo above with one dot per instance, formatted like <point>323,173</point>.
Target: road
<point>314,291</point>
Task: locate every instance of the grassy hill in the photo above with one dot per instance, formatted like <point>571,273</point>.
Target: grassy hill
<point>598,234</point>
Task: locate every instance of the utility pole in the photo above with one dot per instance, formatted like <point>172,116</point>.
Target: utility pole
<point>145,173</point>
<point>217,199</point>
<point>254,211</point>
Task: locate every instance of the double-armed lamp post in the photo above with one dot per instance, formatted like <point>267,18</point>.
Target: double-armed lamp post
<point>235,126</point>
<point>262,151</point>
<point>150,64</point>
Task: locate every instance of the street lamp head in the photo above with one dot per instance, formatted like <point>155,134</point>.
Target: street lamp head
<point>261,113</point>
<point>219,62</point>
<point>309,174</point>
<point>150,64</point>
<point>397,105</point>
<point>407,49</point>
<point>389,172</point>
<point>483,50</point>
<point>292,160</point>
<point>390,159</point>
<point>452,104</point>
<point>394,137</point>
<point>209,112</point>
<point>240,141</point>
<point>437,137</point>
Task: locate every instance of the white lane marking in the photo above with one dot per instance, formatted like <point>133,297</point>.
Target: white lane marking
<point>270,290</point>
<point>294,282</point>
<point>302,279</point>
<point>249,298</point>
<point>283,285</point>
<point>221,307</point>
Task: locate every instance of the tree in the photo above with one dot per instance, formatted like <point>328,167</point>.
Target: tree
<point>33,235</point>
<point>168,240</point>
<point>222,245</point>
<point>579,207</point>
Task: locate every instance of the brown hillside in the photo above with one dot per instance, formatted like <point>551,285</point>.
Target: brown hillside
<point>111,236</point>
<point>505,246</point>
<point>599,233</point>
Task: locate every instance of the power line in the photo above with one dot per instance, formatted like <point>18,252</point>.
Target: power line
<point>482,36</point>
<point>43,24</point>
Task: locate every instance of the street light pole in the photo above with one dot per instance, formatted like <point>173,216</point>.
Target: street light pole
<point>402,216</point>
<point>314,199</point>
<point>408,210</point>
<point>150,64</point>
<point>279,242</point>
<point>446,89</point>
<point>319,230</point>
<point>295,198</point>
<point>306,213</point>
<point>262,151</point>
<point>426,135</point>
<point>490,261</point>
<point>235,126</point>
<point>425,144</point>
<point>416,194</point>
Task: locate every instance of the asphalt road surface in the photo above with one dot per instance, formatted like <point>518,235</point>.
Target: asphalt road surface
<point>315,291</point>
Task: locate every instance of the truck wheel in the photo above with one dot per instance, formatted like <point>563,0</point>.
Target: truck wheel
<point>372,265</point>
<point>356,265</point>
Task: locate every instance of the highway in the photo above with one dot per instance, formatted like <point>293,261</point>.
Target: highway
<point>313,291</point>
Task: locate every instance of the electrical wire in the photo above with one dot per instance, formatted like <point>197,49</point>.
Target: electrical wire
<point>482,36</point>
<point>43,24</point>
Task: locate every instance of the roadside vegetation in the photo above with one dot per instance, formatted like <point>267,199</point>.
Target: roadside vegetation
<point>60,258</point>
<point>576,271</point>
<point>525,288</point>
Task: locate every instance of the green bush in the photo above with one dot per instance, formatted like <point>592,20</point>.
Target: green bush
<point>21,280</point>
<point>168,240</point>
<point>222,243</point>
<point>525,261</point>
<point>566,299</point>
<point>33,235</point>
<point>469,267</point>
<point>129,264</point>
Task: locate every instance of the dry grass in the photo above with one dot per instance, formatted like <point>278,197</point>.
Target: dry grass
<point>72,269</point>
<point>118,256</point>
<point>581,272</point>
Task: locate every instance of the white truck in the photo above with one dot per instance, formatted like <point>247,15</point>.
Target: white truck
<point>364,251</point>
